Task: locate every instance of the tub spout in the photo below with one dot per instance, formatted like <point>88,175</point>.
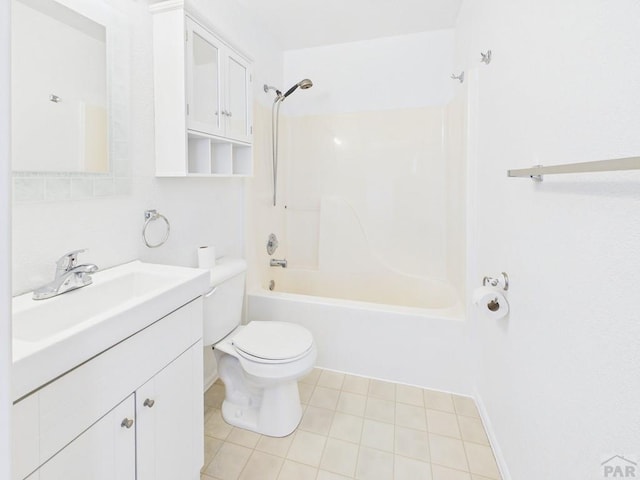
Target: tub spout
<point>274,262</point>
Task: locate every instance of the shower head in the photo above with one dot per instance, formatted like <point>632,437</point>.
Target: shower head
<point>303,84</point>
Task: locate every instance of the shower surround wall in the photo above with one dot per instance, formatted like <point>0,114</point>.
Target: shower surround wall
<point>368,142</point>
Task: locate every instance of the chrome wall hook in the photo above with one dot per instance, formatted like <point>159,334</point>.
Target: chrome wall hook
<point>458,77</point>
<point>485,57</point>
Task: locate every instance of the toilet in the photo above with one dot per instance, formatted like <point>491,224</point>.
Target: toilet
<point>259,363</point>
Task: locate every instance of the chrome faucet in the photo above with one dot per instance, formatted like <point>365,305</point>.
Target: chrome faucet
<point>274,262</point>
<point>69,276</point>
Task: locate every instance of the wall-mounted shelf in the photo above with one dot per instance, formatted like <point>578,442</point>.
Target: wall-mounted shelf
<point>212,156</point>
<point>536,172</point>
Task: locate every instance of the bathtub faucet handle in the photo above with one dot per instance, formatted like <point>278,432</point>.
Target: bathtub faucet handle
<point>274,262</point>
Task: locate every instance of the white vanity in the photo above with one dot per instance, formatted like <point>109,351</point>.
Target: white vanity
<point>107,379</point>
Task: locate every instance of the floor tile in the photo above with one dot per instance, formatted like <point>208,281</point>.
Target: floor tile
<point>307,448</point>
<point>346,427</point>
<point>472,430</point>
<point>410,395</point>
<point>316,420</point>
<point>278,446</point>
<point>381,410</point>
<point>465,406</point>
<point>339,457</point>
<point>216,427</point>
<point>312,377</point>
<point>214,396</point>
<point>330,379</point>
<point>444,473</point>
<point>448,452</point>
<point>261,466</point>
<point>411,416</point>
<point>439,401</point>
<point>352,403</point>
<point>228,462</point>
<point>297,471</point>
<point>443,423</point>
<point>305,390</point>
<point>384,390</point>
<point>243,437</point>
<point>325,398</point>
<point>211,447</point>
<point>324,475</point>
<point>378,435</point>
<point>412,443</point>
<point>481,460</point>
<point>411,469</point>
<point>353,384</point>
<point>374,465</point>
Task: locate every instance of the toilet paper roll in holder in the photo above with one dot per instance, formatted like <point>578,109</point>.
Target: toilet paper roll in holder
<point>502,281</point>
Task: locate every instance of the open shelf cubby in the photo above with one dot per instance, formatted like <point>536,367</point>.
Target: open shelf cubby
<point>217,157</point>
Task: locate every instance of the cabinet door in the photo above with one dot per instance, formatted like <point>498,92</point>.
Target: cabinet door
<point>238,111</point>
<point>106,451</point>
<point>169,439</point>
<point>203,81</point>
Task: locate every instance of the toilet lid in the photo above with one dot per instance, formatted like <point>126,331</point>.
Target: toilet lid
<point>273,340</point>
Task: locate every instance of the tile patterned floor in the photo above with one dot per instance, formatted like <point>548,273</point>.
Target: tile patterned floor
<point>355,428</point>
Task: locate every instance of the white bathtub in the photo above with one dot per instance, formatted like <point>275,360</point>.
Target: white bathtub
<point>404,330</point>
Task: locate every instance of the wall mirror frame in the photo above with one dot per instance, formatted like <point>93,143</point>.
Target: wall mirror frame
<point>49,183</point>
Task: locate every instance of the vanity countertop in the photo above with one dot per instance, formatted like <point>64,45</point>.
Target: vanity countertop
<point>53,336</point>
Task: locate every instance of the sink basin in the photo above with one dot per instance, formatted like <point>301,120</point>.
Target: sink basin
<point>52,336</point>
<point>44,318</point>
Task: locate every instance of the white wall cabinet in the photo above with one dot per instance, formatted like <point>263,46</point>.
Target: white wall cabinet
<point>134,412</point>
<point>202,98</point>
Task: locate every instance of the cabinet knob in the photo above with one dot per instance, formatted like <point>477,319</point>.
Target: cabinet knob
<point>127,423</point>
<point>229,114</point>
<point>149,403</point>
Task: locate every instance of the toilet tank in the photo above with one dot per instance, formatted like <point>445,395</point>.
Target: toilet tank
<point>223,305</point>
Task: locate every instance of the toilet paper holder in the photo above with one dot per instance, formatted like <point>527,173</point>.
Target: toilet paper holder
<point>502,282</point>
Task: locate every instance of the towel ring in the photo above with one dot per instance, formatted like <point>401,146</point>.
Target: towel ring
<point>150,216</point>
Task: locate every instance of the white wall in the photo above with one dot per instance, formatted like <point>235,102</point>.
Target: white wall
<point>201,211</point>
<point>407,71</point>
<point>558,380</point>
<point>5,242</point>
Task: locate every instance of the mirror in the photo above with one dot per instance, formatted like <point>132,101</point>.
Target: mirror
<point>69,97</point>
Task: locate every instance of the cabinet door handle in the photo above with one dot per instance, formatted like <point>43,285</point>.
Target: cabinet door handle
<point>149,403</point>
<point>229,114</point>
<point>127,423</point>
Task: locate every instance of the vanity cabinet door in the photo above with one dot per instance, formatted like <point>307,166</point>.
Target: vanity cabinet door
<point>105,451</point>
<point>169,412</point>
<point>204,113</point>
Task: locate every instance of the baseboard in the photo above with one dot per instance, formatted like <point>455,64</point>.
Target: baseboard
<point>495,446</point>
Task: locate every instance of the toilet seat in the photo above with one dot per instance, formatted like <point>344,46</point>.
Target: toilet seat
<point>273,342</point>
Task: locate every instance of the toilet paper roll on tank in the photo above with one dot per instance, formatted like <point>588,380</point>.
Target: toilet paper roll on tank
<point>207,257</point>
<point>491,302</point>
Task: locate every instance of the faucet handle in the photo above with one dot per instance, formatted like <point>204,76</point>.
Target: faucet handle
<point>67,261</point>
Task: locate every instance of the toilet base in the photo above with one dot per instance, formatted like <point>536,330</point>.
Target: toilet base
<point>276,413</point>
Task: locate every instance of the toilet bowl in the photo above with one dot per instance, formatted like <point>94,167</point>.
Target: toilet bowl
<point>259,363</point>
